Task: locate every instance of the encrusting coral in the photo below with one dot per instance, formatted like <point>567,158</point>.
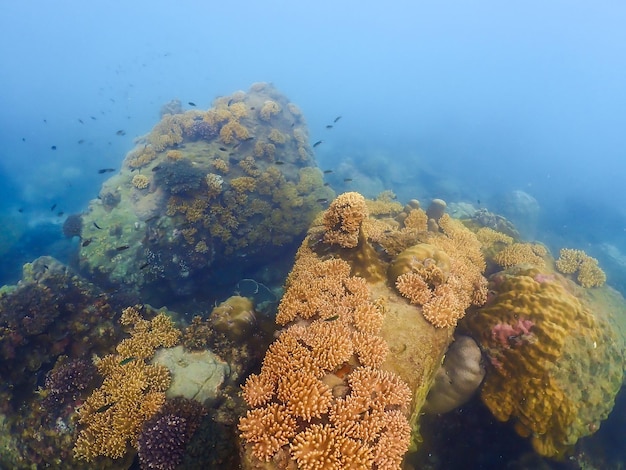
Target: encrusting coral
<point>556,363</point>
<point>589,273</point>
<point>132,391</point>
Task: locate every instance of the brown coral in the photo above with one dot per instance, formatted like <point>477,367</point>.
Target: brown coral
<point>270,108</point>
<point>518,253</point>
<point>343,218</point>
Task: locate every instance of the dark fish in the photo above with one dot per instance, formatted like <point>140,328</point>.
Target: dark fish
<point>97,226</point>
<point>347,180</point>
<point>329,126</point>
<point>81,141</point>
<point>317,143</point>
<point>93,117</point>
<point>103,408</point>
<point>53,207</point>
<point>326,184</point>
<point>106,170</point>
<point>252,108</point>
<point>322,200</point>
<point>122,248</point>
<point>156,168</point>
<point>123,362</point>
<point>46,121</point>
<point>327,172</point>
<point>81,121</point>
<point>60,214</point>
<point>23,139</point>
<point>191,103</point>
<point>478,201</point>
<point>20,210</point>
<point>337,118</point>
<point>223,149</point>
<point>150,219</point>
<point>121,132</point>
<point>86,242</point>
<point>279,162</point>
<point>333,318</point>
<point>54,147</point>
<point>144,266</point>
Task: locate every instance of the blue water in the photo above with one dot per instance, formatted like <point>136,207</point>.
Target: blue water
<point>467,101</point>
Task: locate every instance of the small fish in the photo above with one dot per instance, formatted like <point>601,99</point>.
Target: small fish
<point>279,162</point>
<point>317,143</point>
<point>252,108</point>
<point>81,141</point>
<point>230,101</point>
<point>144,266</point>
<point>223,149</point>
<point>337,118</point>
<point>103,408</point>
<point>93,118</point>
<point>81,121</point>
<point>97,226</point>
<point>23,139</point>
<point>191,103</point>
<point>60,214</point>
<point>46,267</point>
<point>150,219</point>
<point>328,172</point>
<point>156,168</point>
<point>123,362</point>
<point>329,126</point>
<point>347,180</point>
<point>105,170</point>
<point>54,206</point>
<point>20,210</point>
<point>86,242</point>
<point>326,184</point>
<point>122,248</point>
<point>322,200</point>
<point>46,121</point>
<point>54,147</point>
<point>478,201</point>
<point>121,132</point>
<point>333,318</point>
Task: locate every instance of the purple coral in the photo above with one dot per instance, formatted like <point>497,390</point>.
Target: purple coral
<point>66,382</point>
<point>162,443</point>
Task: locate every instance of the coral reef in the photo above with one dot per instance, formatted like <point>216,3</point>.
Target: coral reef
<point>556,359</point>
<point>132,391</point>
<point>225,186</point>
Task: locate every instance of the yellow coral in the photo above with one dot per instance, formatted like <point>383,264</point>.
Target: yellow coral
<point>220,165</point>
<point>238,110</point>
<point>174,155</point>
<point>140,181</point>
<point>270,108</point>
<point>277,137</point>
<point>132,390</point>
<point>589,273</point>
<point>233,130</point>
<point>243,184</point>
<point>518,253</point>
<point>544,346</point>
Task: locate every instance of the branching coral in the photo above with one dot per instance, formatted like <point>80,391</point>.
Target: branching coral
<point>320,391</point>
<point>589,273</point>
<point>270,108</point>
<point>343,219</point>
<point>132,390</point>
<point>518,253</point>
<point>140,181</point>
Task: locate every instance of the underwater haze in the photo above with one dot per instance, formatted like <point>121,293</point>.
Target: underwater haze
<point>516,108</point>
<point>467,102</point>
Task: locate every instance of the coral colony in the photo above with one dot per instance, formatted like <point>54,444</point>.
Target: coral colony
<point>389,311</point>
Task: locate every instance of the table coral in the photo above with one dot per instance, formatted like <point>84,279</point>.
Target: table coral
<point>132,390</point>
<point>546,344</point>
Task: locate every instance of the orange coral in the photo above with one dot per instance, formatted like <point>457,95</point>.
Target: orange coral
<point>140,181</point>
<point>132,390</point>
<point>233,130</point>
<point>320,389</point>
<point>343,218</point>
